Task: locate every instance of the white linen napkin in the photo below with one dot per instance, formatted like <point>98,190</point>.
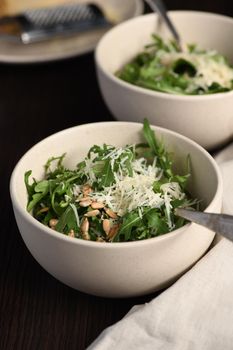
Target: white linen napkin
<point>196,313</point>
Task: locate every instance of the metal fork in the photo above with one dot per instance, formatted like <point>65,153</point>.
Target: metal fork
<point>159,7</point>
<point>219,223</point>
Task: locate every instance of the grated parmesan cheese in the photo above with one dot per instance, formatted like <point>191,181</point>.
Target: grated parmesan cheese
<point>209,70</point>
<point>136,191</point>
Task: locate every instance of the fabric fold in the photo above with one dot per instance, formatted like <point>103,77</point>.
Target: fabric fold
<point>195,313</point>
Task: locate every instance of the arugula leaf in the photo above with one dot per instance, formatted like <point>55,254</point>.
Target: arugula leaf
<point>157,184</point>
<point>182,66</point>
<point>215,88</point>
<point>40,191</point>
<point>54,196</point>
<point>130,72</point>
<point>107,175</point>
<point>67,221</point>
<point>150,136</point>
<point>30,188</point>
<point>156,221</point>
<point>130,221</point>
<point>161,67</point>
<point>163,159</point>
<point>58,165</point>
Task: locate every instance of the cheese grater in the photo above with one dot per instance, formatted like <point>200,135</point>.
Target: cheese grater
<point>40,24</point>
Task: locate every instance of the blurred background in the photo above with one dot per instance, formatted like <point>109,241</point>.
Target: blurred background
<point>66,89</point>
<point>223,7</point>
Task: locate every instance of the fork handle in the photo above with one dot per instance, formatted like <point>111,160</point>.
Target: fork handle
<point>159,7</point>
<point>219,223</point>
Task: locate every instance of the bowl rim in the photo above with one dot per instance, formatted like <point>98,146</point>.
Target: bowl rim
<point>150,92</point>
<point>139,8</point>
<point>92,244</point>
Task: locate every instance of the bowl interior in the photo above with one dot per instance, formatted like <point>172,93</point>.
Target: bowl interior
<point>76,142</point>
<point>122,43</point>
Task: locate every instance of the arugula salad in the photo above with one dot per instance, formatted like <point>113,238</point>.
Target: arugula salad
<point>162,67</point>
<point>116,194</point>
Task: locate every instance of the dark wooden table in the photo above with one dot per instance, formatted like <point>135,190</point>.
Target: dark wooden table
<point>37,311</point>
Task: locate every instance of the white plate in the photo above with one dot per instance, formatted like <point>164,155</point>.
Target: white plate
<point>69,46</point>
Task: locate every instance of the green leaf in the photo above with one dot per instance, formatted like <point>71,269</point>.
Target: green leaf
<point>42,186</point>
<point>216,88</point>
<point>181,179</point>
<point>182,66</point>
<point>179,222</point>
<point>58,165</point>
<point>163,159</point>
<point>151,70</point>
<point>129,73</point>
<point>130,220</point>
<point>30,188</point>
<point>143,58</point>
<point>67,221</point>
<point>41,190</point>
<point>53,197</point>
<point>157,184</point>
<point>160,43</point>
<point>176,203</point>
<point>150,136</point>
<point>155,221</point>
<point>107,175</point>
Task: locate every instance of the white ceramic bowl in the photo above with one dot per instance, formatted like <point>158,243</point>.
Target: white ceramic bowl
<point>117,269</point>
<point>206,119</point>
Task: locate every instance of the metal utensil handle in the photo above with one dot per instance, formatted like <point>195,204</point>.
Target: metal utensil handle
<point>219,223</point>
<point>158,6</point>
